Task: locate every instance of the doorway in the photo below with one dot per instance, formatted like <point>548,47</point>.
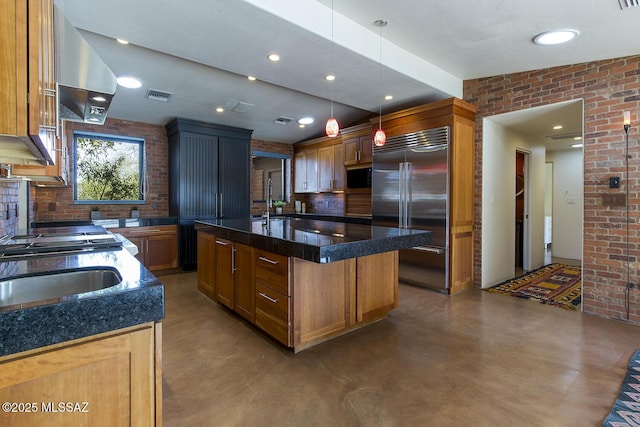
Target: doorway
<point>535,133</point>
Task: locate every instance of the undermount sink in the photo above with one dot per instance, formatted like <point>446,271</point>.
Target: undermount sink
<point>53,285</point>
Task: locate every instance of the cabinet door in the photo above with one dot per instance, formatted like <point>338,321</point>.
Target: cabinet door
<point>338,167</point>
<point>196,195</point>
<point>245,293</point>
<point>233,178</point>
<point>366,149</point>
<point>161,251</point>
<point>300,167</point>
<point>351,151</point>
<point>42,87</point>
<point>139,242</point>
<point>325,169</point>
<point>114,375</point>
<point>225,292</point>
<point>312,170</point>
<point>207,264</point>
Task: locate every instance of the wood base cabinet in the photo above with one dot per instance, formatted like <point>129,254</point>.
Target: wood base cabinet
<point>157,245</point>
<point>112,379</point>
<point>300,303</point>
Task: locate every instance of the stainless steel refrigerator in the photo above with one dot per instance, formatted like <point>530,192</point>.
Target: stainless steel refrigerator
<point>410,189</point>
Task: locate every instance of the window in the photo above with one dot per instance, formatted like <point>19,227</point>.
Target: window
<point>108,169</point>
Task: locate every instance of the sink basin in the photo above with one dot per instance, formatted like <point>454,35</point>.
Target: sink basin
<point>47,286</point>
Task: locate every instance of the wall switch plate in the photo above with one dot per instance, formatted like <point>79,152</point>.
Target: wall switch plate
<point>614,182</point>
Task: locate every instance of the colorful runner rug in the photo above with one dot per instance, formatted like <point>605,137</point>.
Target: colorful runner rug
<point>626,409</point>
<point>554,284</point>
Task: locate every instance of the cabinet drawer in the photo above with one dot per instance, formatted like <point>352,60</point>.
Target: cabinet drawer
<point>272,313</point>
<point>272,270</point>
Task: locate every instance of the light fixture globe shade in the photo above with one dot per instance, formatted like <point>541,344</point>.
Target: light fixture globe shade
<point>332,128</point>
<point>380,138</point>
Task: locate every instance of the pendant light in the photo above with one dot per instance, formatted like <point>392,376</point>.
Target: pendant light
<point>380,138</point>
<point>332,128</point>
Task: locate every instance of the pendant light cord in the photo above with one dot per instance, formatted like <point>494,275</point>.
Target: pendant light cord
<point>380,80</point>
<point>333,61</point>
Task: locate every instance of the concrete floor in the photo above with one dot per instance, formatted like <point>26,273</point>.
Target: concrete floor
<point>474,359</point>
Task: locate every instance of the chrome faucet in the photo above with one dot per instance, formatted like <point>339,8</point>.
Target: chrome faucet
<point>266,214</point>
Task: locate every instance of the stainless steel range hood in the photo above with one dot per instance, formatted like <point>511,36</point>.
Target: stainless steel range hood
<point>86,85</point>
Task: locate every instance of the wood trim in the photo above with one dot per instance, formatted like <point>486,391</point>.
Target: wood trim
<point>158,373</point>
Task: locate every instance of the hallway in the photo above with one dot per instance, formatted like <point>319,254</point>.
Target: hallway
<point>476,359</point>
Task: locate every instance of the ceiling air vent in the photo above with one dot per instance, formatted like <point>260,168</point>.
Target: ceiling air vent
<point>624,4</point>
<point>283,120</point>
<point>158,95</point>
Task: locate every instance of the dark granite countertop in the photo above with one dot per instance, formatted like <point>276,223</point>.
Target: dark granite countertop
<point>138,299</point>
<point>315,240</point>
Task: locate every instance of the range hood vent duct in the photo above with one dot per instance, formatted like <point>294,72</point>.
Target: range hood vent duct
<point>86,85</point>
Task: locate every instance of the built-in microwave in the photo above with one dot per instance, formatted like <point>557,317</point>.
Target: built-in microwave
<point>359,178</point>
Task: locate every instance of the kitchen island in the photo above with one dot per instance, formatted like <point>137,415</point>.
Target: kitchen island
<point>302,281</point>
<point>96,353</point>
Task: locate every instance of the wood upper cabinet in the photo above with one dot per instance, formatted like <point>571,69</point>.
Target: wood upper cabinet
<point>115,378</point>
<point>306,171</point>
<point>28,100</point>
<point>157,245</point>
<point>358,150</point>
<point>331,168</point>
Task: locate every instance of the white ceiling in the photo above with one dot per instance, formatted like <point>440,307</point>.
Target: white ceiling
<point>202,50</point>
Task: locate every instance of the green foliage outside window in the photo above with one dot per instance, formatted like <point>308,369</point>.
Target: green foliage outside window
<point>108,169</point>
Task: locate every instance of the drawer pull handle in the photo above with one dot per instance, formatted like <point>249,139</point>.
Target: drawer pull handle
<point>270,261</point>
<point>220,242</point>
<point>265,296</point>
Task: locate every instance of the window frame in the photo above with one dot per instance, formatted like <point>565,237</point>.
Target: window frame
<point>116,138</point>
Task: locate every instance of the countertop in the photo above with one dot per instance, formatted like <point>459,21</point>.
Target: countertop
<point>315,240</point>
<point>138,299</point>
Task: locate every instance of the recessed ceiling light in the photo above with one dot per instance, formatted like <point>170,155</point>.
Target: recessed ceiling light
<point>576,145</point>
<point>557,127</point>
<point>388,97</point>
<point>555,37</point>
<point>305,121</point>
<point>251,78</point>
<point>122,41</point>
<point>220,110</point>
<point>129,82</point>
<point>274,57</point>
<point>330,77</point>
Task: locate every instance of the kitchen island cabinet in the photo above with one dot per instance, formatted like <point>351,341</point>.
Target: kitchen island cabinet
<point>313,280</point>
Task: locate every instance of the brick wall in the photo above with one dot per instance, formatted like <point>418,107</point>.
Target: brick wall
<point>608,88</point>
<point>55,204</point>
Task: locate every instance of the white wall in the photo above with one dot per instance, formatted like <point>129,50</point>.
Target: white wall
<point>567,203</point>
<point>498,201</point>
